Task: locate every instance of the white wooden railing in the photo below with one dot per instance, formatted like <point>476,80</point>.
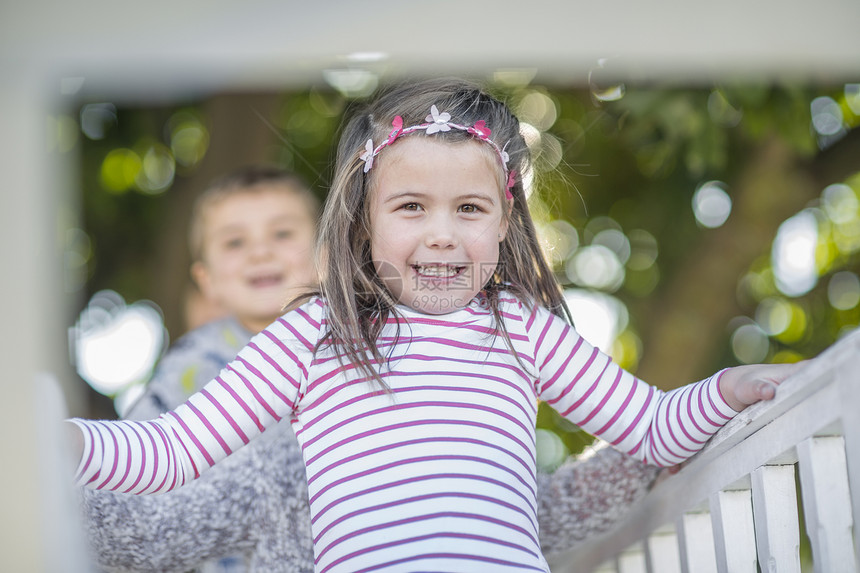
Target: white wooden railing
<point>733,508</point>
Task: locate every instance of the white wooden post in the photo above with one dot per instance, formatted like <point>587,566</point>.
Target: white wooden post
<point>849,394</point>
<point>608,567</point>
<point>662,552</point>
<point>775,512</point>
<point>827,503</point>
<point>632,560</point>
<point>734,532</point>
<point>696,543</point>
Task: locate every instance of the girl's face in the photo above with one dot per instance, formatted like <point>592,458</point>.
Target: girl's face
<point>257,254</point>
<point>436,219</point>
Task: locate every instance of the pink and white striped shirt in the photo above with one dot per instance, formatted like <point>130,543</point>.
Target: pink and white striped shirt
<point>438,474</point>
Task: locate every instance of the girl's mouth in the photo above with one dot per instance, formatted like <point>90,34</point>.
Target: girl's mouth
<point>438,271</point>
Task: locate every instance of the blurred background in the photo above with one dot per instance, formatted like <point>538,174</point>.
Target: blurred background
<point>697,187</point>
<point>694,227</point>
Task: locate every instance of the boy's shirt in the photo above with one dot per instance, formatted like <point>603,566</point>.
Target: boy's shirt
<point>192,361</point>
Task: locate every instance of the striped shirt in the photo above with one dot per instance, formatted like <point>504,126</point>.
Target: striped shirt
<point>439,473</point>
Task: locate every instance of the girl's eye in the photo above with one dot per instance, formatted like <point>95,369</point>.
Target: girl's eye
<point>410,206</point>
<point>283,234</point>
<point>470,208</point>
<point>233,243</point>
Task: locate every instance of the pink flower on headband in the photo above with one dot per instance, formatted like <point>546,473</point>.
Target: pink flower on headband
<point>512,180</point>
<point>480,130</point>
<point>397,123</point>
<point>367,156</point>
<point>438,121</point>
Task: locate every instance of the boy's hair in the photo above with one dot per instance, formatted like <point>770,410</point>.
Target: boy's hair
<point>250,179</point>
<point>358,301</point>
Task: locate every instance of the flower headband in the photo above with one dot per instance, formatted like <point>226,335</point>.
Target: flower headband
<point>436,122</point>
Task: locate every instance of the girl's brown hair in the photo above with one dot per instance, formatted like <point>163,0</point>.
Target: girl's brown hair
<point>358,302</point>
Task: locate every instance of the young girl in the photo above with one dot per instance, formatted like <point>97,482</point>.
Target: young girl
<point>412,378</point>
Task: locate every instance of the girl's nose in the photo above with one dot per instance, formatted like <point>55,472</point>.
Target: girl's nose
<point>440,233</point>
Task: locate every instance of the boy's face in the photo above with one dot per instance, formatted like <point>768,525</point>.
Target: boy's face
<point>436,219</point>
<point>257,254</point>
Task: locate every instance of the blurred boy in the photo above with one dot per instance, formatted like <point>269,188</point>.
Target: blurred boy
<point>251,238</point>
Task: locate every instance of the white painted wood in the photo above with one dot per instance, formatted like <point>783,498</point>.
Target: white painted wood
<point>734,532</point>
<point>827,503</point>
<point>849,406</point>
<point>608,567</point>
<point>696,543</point>
<point>661,551</point>
<point>776,519</point>
<point>822,399</point>
<point>632,560</point>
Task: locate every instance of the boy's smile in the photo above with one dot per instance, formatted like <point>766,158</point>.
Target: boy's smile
<point>437,218</point>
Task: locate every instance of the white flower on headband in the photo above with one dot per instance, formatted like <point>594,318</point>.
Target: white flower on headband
<point>438,121</point>
<point>367,156</point>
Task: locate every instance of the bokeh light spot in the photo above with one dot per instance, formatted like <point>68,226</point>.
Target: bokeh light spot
<point>843,290</point>
<point>596,266</point>
<point>603,86</point>
<point>852,97</point>
<point>115,344</point>
<point>827,116</point>
<point>598,317</point>
<point>721,111</point>
<point>157,170</point>
<point>614,240</point>
<point>793,254</point>
<point>840,203</point>
<point>750,344</point>
<point>537,109</point>
<point>558,240</point>
<point>711,204</point>
<point>643,250</point>
<point>773,315</point>
<point>550,450</point>
<point>97,119</point>
<point>352,83</point>
<point>189,141</point>
<point>119,169</point>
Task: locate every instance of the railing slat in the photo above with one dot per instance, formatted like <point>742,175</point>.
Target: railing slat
<point>632,560</point>
<point>827,503</point>
<point>696,543</point>
<point>734,532</point>
<point>662,551</point>
<point>774,496</point>
<point>849,402</point>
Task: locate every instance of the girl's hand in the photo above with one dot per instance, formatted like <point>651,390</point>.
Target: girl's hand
<point>745,385</point>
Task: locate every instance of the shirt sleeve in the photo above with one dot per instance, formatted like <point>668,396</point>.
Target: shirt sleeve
<point>584,385</point>
<point>254,391</point>
<point>255,501</point>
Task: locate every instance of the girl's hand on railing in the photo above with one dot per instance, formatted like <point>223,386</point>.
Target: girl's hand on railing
<point>744,385</point>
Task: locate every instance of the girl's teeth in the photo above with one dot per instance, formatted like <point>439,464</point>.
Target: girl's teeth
<point>438,271</point>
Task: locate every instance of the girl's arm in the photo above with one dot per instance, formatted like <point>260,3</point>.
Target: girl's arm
<point>255,502</point>
<point>253,392</point>
<point>661,428</point>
